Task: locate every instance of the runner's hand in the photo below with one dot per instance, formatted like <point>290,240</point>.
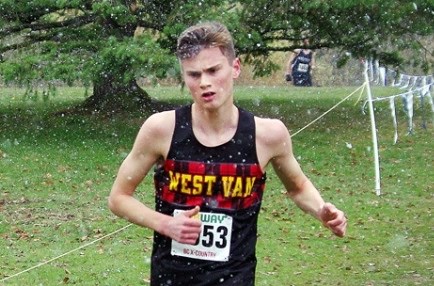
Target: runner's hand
<point>184,227</point>
<point>333,219</point>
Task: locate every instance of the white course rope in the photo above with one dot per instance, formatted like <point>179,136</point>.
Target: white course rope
<point>325,113</point>
<point>66,253</point>
<point>127,226</point>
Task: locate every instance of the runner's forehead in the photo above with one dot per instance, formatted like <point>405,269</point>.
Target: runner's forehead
<point>207,59</point>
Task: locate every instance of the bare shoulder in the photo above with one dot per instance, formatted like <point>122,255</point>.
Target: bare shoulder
<point>160,124</point>
<point>272,140</point>
<point>270,130</point>
<point>156,132</point>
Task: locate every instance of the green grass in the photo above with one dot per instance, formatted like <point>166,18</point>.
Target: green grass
<point>56,173</point>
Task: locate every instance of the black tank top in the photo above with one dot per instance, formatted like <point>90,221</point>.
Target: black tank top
<point>227,183</point>
<point>302,63</point>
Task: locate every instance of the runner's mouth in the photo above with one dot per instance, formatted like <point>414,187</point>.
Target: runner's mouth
<point>207,94</point>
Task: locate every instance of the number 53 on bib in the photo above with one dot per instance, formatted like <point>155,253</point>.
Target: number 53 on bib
<point>214,242</point>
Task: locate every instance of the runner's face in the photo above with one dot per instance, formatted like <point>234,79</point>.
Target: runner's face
<point>209,77</point>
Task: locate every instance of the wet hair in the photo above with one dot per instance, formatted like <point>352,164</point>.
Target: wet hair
<point>202,36</point>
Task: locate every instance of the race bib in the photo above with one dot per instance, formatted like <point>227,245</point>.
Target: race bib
<point>303,68</point>
<point>214,242</point>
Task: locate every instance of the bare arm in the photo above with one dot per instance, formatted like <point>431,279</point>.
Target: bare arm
<point>278,147</point>
<point>299,188</point>
<point>290,60</point>
<point>151,145</point>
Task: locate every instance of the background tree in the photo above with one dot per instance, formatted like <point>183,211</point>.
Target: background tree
<point>105,45</point>
<point>384,30</point>
<point>108,44</point>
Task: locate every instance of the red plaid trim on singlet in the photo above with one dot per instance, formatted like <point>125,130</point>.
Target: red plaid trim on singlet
<point>221,185</point>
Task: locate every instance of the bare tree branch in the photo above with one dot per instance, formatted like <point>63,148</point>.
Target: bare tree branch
<point>37,26</point>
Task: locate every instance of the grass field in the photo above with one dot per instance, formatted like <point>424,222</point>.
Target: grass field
<point>56,172</point>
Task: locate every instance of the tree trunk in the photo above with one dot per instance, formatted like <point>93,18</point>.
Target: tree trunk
<point>111,96</point>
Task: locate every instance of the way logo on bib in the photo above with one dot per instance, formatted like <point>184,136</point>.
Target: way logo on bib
<point>214,242</point>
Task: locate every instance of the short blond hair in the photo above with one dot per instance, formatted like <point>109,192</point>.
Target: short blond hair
<point>205,35</point>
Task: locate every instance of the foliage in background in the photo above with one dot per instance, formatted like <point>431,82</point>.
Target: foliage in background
<point>108,45</point>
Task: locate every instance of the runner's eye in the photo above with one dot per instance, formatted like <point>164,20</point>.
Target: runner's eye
<point>194,75</point>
